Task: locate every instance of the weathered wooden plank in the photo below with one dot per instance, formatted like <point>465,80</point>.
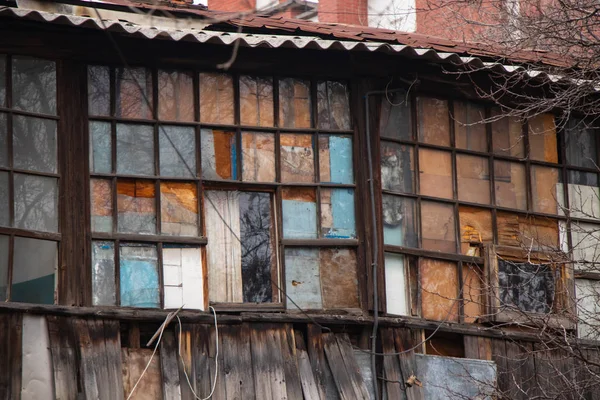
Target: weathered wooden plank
<point>62,348</point>
<point>134,363</point>
<point>112,338</point>
<point>202,360</point>
<point>168,364</point>
<point>14,366</point>
<point>320,367</point>
<point>262,381</point>
<point>290,363</point>
<point>245,363</point>
<point>99,360</point>
<point>393,385</point>
<point>485,348</point>
<point>275,362</point>
<point>217,372</point>
<point>471,344</point>
<point>408,367</point>
<point>5,372</point>
<point>307,379</point>
<point>516,364</point>
<point>588,386</point>
<point>352,367</point>
<point>342,379</point>
<point>499,357</point>
<point>231,363</point>
<point>187,349</point>
<point>87,369</point>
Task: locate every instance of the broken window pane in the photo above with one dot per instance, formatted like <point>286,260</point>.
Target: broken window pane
<point>4,243</point>
<point>434,123</point>
<point>103,274</point>
<point>333,105</point>
<point>302,278</point>
<point>34,271</point>
<point>34,85</point>
<point>177,147</point>
<point>134,93</point>
<point>4,200</point>
<point>100,147</point>
<point>473,292</point>
<point>297,158</point>
<point>216,98</point>
<point>294,103</point>
<point>337,214</point>
<point>588,308</point>
<point>468,126</point>
<point>399,221</point>
<point>581,148</point>
<point>507,135</point>
<point>510,181</point>
<point>102,205</point>
<point>258,157</point>
<point>584,195</point>
<point>338,278</point>
<point>256,101</point>
<point>179,208</point>
<point>547,189</point>
<point>526,287</point>
<point>475,229</point>
<point>439,290</point>
<point>542,138</point>
<point>335,159</point>
<point>438,227</point>
<point>397,167</point>
<point>138,276</point>
<point>3,140</point>
<point>175,96</point>
<point>34,144</point>
<point>299,210</point>
<point>219,154</point>
<point>182,277</point>
<point>585,239</point>
<point>395,120</point>
<point>136,206</point>
<point>518,230</point>
<point>435,173</point>
<point>395,285</point>
<point>135,149</point>
<point>36,203</point>
<point>473,176</point>
<point>98,90</point>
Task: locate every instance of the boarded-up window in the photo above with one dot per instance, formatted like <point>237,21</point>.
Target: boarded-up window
<point>519,230</point>
<point>434,121</point>
<point>473,179</point>
<point>175,96</point>
<point>333,105</point>
<point>475,229</point>
<point>542,138</point>
<point>256,101</point>
<point>547,189</point>
<point>299,208</point>
<point>337,213</point>
<point>397,167</point>
<point>182,276</point>
<point>179,208</point>
<point>435,173</point>
<point>294,103</point>
<point>219,154</point>
<point>216,98</point>
<point>134,93</point>
<point>507,135</point>
<point>335,159</point>
<point>510,182</point>
<point>395,118</point>
<point>438,227</point>
<point>136,206</point>
<point>297,158</point>
<point>258,157</point>
<point>138,268</point>
<point>469,128</point>
<point>439,290</point>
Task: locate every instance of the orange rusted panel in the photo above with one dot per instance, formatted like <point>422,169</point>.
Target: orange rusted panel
<point>434,121</point>
<point>101,197</point>
<point>439,290</point>
<point>542,138</point>
<point>473,292</point>
<point>437,227</point>
<point>338,278</point>
<point>216,98</point>
<point>475,228</point>
<point>299,194</point>
<point>435,169</point>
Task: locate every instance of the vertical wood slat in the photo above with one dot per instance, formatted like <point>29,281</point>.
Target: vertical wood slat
<point>290,363</point>
<point>262,383</point>
<point>245,363</point>
<point>318,361</point>
<point>168,364</point>
<point>307,378</point>
<point>11,362</point>
<point>220,388</point>
<point>393,385</point>
<point>231,365</point>
<point>342,379</point>
<point>112,337</point>
<point>352,367</point>
<point>62,348</point>
<point>202,360</point>
<point>186,344</point>
<point>276,372</point>
<point>405,340</point>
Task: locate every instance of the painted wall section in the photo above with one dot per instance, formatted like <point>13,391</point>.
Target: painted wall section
<point>37,378</point>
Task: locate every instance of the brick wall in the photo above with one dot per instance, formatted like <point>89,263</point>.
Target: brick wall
<point>352,12</point>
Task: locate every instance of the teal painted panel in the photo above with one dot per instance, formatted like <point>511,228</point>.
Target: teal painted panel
<point>303,278</point>
<point>340,156</point>
<point>299,219</point>
<point>139,276</point>
<point>344,225</point>
<point>38,291</point>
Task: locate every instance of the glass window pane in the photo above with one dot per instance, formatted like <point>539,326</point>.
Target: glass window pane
<point>339,278</point>
<point>526,287</point>
<point>399,221</point>
<point>2,80</point>
<point>34,85</point>
<point>100,147</point>
<point>584,195</point>
<point>34,144</point>
<point>396,289</point>
<point>397,167</point>
<point>258,157</point>
<point>136,206</point>
<point>435,173</point>
<point>468,126</point>
<point>297,158</point>
<point>302,278</point>
<point>175,96</point>
<point>4,243</point>
<point>216,98</point>
<point>507,135</point>
<point>438,227</point>
<point>475,229</point>
<point>585,239</point>
<point>34,271</point>
<point>335,159</point>
<point>135,149</point>
<point>294,103</point>
<point>177,147</point>
<point>219,154</point>
<point>439,290</point>
<point>299,208</point>
<point>542,138</point>
<point>333,105</point>
<point>473,176</point>
<point>581,148</point>
<point>134,93</point>
<point>102,205</point>
<point>179,208</point>
<point>138,268</point>
<point>395,119</point>
<point>103,274</point>
<point>434,122</point>
<point>4,200</point>
<point>337,213</point>
<point>509,179</point>
<point>256,101</point>
<point>3,140</point>
<point>547,189</point>
<point>36,203</point>
<point>98,90</point>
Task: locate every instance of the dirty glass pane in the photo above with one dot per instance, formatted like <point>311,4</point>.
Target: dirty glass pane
<point>584,194</point>
<point>175,96</point>
<point>333,105</point>
<point>2,80</point>
<point>437,227</point>
<point>139,275</point>
<point>473,176</point>
<point>34,85</point>
<point>435,173</point>
<point>526,287</point>
<point>3,140</point>
<point>439,290</point>
<point>179,208</point>
<point>509,179</point>
<point>102,205</point>
<point>469,129</point>
<point>507,135</point>
<point>36,203</point>
<point>397,167</point>
<point>475,229</point>
<point>302,278</point>
<point>297,158</point>
<point>337,214</point>
<point>542,138</point>
<point>434,121</point>
<point>4,199</point>
<point>100,147</point>
<point>34,271</point>
<point>219,154</point>
<point>399,221</point>
<point>135,149</point>
<point>177,147</point>
<point>136,206</point>
<point>338,278</point>
<point>294,103</point>
<point>134,93</point>
<point>585,239</point>
<point>395,119</point>
<point>4,243</point>
<point>299,210</point>
<point>256,101</point>
<point>103,274</point>
<point>258,157</point>
<point>335,159</point>
<point>581,144</point>
<point>547,189</point>
<point>34,144</point>
<point>216,98</point>
<point>98,90</point>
